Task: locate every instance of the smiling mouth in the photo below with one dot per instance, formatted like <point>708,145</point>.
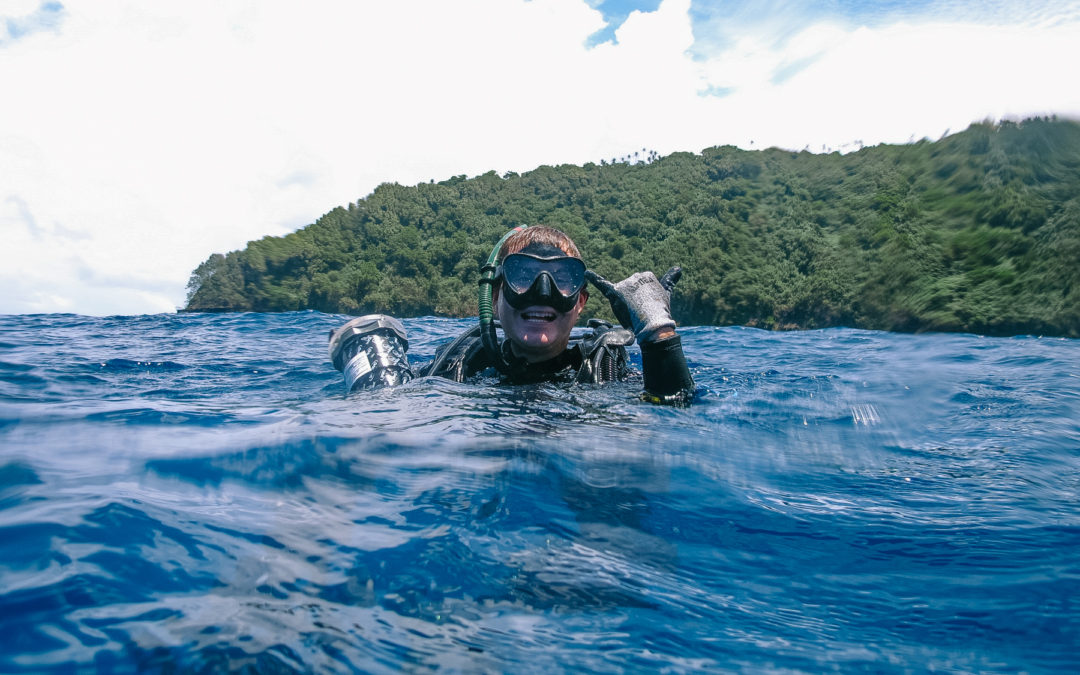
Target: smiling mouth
<point>538,315</point>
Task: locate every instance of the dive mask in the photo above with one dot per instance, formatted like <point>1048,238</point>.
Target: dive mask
<point>554,281</point>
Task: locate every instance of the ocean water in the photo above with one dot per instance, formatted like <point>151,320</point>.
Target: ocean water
<point>190,493</point>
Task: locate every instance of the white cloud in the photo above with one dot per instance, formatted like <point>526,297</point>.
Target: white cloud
<point>20,18</point>
<point>137,138</point>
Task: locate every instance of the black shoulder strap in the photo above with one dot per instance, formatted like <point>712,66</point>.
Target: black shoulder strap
<point>452,358</point>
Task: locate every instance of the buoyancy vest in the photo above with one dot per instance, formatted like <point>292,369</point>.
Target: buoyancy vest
<point>595,357</point>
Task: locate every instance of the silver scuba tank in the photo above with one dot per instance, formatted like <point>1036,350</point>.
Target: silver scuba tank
<point>370,351</point>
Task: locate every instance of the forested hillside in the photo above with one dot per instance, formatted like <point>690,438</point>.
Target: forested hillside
<point>979,231</point>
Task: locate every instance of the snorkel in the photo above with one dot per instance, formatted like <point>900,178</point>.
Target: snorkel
<point>487,313</point>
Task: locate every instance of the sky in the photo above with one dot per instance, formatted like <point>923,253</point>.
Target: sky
<point>137,138</point>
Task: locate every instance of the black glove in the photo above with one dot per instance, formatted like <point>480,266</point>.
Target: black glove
<point>641,302</point>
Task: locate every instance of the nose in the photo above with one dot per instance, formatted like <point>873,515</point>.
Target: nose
<point>544,287</point>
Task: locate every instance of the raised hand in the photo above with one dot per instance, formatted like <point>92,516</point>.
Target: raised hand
<point>641,302</point>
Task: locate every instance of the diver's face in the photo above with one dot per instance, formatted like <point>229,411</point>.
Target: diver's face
<point>537,333</point>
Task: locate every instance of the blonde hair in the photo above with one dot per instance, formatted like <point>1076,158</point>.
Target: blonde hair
<point>539,234</point>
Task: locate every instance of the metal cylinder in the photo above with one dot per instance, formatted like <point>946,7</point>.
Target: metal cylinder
<point>370,352</point>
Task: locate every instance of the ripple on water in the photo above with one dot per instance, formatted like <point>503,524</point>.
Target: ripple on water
<point>195,492</point>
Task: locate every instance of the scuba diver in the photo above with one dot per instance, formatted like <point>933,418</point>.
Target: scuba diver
<point>534,282</point>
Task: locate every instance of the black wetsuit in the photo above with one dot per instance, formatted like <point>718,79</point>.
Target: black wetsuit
<point>596,358</point>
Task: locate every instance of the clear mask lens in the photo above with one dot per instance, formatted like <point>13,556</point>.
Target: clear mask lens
<point>521,271</point>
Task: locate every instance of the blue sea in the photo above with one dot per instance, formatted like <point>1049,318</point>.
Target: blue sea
<point>196,493</point>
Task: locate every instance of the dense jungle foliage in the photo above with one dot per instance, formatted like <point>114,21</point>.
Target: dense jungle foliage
<point>979,231</point>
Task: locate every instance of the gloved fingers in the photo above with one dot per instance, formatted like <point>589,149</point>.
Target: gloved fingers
<point>614,297</point>
<point>605,286</point>
<point>670,278</point>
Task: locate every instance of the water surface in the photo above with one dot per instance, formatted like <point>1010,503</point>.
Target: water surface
<point>196,492</point>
